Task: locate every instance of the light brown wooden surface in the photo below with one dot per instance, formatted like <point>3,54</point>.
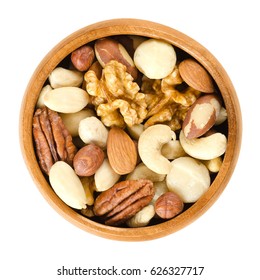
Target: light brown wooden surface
<point>149,29</point>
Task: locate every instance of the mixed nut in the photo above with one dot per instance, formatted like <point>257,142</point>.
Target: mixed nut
<point>131,132</point>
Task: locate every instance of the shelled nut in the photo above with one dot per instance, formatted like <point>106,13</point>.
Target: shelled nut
<point>107,49</point>
<point>121,202</point>
<point>168,205</point>
<point>88,159</point>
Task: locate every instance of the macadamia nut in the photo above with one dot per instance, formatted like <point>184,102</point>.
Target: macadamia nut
<point>155,58</point>
<point>188,178</point>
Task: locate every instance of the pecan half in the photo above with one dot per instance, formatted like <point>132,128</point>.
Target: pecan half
<point>123,200</point>
<point>52,140</point>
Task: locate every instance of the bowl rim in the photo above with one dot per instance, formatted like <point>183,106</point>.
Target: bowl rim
<point>130,26</point>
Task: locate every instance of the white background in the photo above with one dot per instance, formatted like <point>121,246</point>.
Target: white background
<point>35,240</point>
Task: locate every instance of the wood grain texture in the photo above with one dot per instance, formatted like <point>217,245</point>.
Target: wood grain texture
<point>153,30</point>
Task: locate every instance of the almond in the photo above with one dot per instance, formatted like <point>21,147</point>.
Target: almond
<point>196,76</point>
<point>121,151</point>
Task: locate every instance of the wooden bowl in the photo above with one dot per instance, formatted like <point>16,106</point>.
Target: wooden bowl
<point>153,30</point>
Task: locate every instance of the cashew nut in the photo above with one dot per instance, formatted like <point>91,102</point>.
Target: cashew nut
<point>141,171</point>
<point>105,177</point>
<point>92,130</point>
<point>188,178</point>
<point>142,218</point>
<point>205,148</point>
<point>150,144</point>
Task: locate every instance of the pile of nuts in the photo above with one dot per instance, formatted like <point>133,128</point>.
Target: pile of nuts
<point>131,132</point>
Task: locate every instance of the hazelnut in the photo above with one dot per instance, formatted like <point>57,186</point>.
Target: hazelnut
<point>168,205</point>
<point>83,57</point>
<point>87,160</point>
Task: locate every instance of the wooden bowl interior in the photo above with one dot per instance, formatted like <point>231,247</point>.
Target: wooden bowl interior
<point>153,30</point>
